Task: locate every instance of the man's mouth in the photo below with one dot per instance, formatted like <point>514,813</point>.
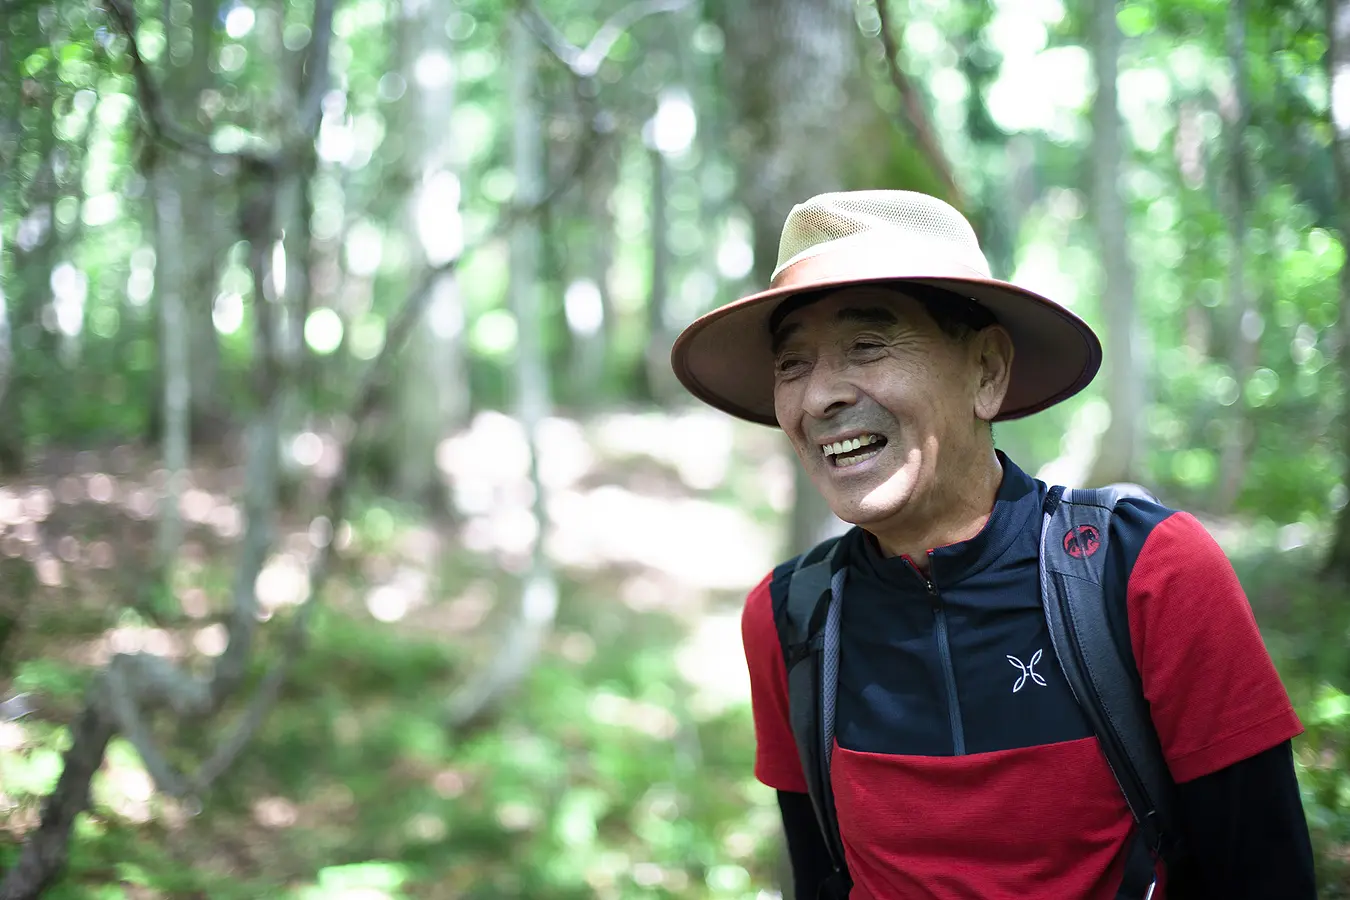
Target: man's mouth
<point>842,454</point>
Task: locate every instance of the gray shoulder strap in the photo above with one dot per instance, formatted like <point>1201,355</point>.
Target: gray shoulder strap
<point>1074,536</point>
<point>814,607</point>
<point>809,583</point>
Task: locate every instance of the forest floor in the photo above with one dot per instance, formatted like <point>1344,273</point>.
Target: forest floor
<point>621,769</point>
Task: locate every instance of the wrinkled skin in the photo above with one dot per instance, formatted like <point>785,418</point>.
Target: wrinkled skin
<point>868,359</point>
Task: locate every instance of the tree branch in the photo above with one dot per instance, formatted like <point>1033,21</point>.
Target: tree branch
<point>128,716</point>
<point>314,74</point>
<point>920,127</point>
<point>226,752</point>
<point>367,396</point>
<point>145,683</point>
<point>45,851</point>
<point>619,23</point>
<point>585,62</point>
<point>161,127</point>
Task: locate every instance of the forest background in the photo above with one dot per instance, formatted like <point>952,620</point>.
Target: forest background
<point>355,540</point>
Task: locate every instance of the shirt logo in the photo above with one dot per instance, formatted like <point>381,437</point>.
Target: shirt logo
<point>1082,541</point>
<point>1028,671</point>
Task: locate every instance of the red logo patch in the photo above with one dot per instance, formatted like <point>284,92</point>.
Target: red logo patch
<point>1082,541</point>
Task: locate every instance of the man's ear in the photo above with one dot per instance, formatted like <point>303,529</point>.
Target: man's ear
<point>993,356</point>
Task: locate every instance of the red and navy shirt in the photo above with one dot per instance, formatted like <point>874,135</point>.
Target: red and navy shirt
<point>963,767</point>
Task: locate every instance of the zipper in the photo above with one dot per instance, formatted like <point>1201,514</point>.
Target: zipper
<point>945,654</point>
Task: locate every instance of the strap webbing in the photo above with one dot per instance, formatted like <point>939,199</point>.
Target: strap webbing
<point>1074,538</point>
<point>812,618</point>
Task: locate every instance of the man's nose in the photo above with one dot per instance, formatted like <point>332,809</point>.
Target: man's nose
<point>828,390</point>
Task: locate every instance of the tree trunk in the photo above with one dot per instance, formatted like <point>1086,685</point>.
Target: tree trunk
<point>660,377</point>
<point>198,186</point>
<point>33,343</point>
<point>1338,66</point>
<point>175,353</point>
<point>590,345</point>
<point>1246,321</point>
<point>9,131</point>
<point>791,143</point>
<point>533,619</point>
<point>433,394</point>
<point>46,849</point>
<point>1117,456</point>
<point>134,688</point>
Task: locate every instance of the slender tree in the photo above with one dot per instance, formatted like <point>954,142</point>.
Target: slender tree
<point>659,376</point>
<point>1338,72</point>
<point>1118,450</point>
<point>538,603</point>
<point>795,82</point>
<point>9,152</point>
<point>1246,323</point>
<point>591,341</point>
<point>175,353</point>
<point>33,345</point>
<point>194,275</point>
<point>433,397</point>
<point>134,690</point>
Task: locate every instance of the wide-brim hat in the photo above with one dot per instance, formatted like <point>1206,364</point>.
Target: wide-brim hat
<point>835,240</point>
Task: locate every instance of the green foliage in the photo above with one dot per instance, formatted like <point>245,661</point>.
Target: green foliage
<point>600,778</point>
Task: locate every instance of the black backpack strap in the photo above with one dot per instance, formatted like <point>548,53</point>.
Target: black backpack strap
<point>808,626</point>
<point>1074,535</point>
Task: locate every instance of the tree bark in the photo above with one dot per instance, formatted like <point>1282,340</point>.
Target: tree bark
<point>590,351</point>
<point>1338,71</point>
<point>45,852</point>
<point>791,141</point>
<point>34,345</point>
<point>1246,321</point>
<point>175,356</point>
<point>199,271</point>
<point>433,397</point>
<point>9,151</point>
<point>133,689</point>
<point>921,127</point>
<point>660,378</point>
<point>1117,456</point>
<point>538,605</point>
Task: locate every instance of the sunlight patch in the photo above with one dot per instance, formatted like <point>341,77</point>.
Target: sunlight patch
<point>712,661</point>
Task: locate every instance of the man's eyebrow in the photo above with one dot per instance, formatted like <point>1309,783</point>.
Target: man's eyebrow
<point>781,335</point>
<point>854,315</point>
<point>867,315</point>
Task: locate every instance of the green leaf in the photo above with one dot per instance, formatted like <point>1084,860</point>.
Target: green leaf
<point>1331,707</point>
<point>1135,20</point>
<point>36,61</point>
<point>578,814</point>
<point>386,876</point>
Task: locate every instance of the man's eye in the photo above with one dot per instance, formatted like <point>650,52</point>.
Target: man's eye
<point>789,366</point>
<point>866,346</point>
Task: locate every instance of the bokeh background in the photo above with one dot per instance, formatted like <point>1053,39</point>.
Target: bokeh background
<point>355,539</point>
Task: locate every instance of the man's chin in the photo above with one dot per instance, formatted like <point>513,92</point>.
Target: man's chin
<point>865,513</point>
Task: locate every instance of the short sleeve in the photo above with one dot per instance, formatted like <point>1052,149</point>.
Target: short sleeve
<point>776,762</point>
<point>1215,695</point>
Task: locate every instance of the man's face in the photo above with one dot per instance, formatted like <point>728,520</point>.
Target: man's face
<point>870,391</point>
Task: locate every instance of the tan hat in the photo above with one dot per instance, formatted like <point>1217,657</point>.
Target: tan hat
<point>833,240</point>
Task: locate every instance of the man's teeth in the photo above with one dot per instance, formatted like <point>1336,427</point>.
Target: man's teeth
<point>845,446</point>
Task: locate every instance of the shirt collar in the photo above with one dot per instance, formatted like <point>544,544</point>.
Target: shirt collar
<point>1017,499</point>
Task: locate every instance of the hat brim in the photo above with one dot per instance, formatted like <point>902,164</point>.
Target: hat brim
<point>724,358</point>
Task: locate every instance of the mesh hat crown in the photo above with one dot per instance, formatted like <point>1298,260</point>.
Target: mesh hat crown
<point>925,225</point>
<point>836,240</point>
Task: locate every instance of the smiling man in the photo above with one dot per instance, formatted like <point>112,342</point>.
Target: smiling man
<point>962,764</point>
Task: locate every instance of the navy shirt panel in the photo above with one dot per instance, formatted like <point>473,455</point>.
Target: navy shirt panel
<point>894,693</point>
